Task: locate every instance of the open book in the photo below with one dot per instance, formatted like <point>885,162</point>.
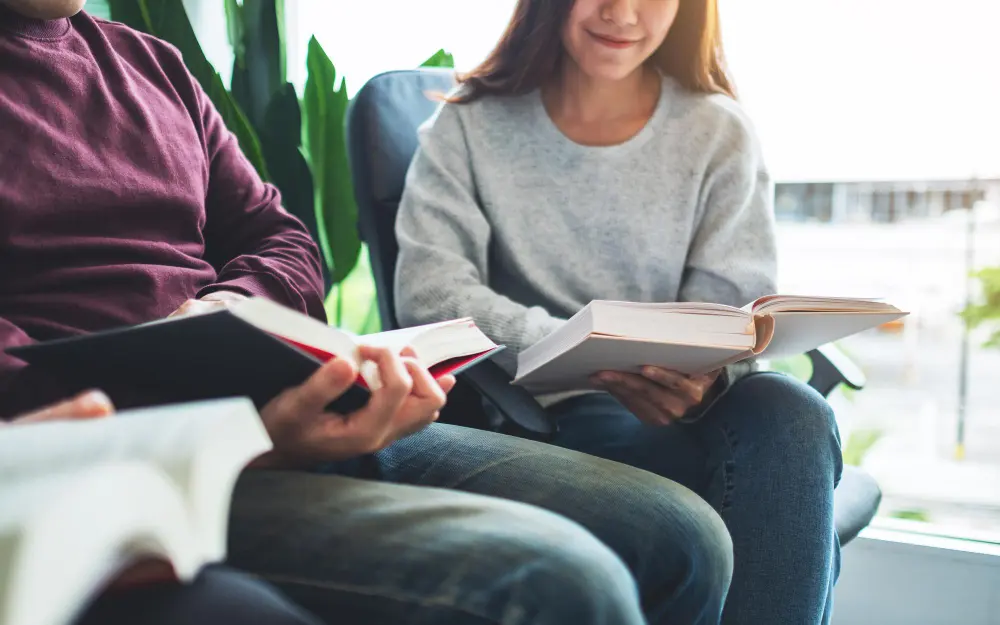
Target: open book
<point>689,337</point>
<point>80,501</point>
<point>255,348</point>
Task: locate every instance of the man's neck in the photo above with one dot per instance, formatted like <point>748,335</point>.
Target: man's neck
<point>15,22</point>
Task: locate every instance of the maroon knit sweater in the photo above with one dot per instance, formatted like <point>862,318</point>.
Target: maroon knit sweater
<point>122,194</point>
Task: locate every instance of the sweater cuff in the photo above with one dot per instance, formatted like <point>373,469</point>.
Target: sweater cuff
<point>729,375</point>
<point>252,285</point>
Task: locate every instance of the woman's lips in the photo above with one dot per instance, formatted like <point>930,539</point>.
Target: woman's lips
<point>612,42</point>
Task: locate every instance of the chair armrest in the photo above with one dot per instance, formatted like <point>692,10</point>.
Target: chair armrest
<point>514,404</point>
<point>831,368</point>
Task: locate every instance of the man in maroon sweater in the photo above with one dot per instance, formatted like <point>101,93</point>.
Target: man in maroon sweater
<point>124,199</point>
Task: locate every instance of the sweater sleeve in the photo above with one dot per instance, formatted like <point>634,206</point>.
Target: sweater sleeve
<point>732,258</point>
<point>443,266</point>
<point>733,252</point>
<point>256,246</point>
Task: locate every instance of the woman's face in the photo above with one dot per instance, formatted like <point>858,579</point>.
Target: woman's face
<point>610,39</point>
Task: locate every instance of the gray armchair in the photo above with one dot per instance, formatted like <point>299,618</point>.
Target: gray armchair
<point>382,127</point>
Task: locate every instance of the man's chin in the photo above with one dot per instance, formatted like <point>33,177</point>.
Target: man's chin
<point>45,9</point>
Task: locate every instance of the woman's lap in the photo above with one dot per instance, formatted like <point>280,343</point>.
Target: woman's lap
<point>766,456</point>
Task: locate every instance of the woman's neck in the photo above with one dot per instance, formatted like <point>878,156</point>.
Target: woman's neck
<point>601,113</point>
<point>576,96</point>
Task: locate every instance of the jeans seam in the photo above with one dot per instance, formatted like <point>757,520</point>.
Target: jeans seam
<point>728,469</point>
<point>461,479</point>
<point>386,594</point>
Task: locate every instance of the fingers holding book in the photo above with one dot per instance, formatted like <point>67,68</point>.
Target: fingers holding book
<point>304,432</point>
<point>656,396</point>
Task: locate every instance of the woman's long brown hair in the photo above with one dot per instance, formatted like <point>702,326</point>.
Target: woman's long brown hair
<point>531,51</point>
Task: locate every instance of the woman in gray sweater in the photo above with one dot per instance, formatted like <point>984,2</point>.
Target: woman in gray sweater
<point>599,153</point>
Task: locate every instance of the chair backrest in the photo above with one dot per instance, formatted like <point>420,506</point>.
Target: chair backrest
<point>382,124</point>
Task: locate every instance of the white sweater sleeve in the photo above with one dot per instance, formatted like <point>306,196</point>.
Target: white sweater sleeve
<point>732,258</point>
<point>443,269</point>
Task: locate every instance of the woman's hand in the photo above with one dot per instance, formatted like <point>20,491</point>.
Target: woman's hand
<point>89,405</point>
<point>303,432</point>
<point>658,396</point>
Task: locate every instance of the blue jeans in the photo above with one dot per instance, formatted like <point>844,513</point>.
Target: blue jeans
<point>456,526</point>
<point>767,457</point>
<point>218,596</point>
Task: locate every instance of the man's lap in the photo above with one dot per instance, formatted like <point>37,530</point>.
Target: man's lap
<point>447,516</point>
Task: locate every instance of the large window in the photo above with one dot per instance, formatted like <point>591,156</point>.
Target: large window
<point>880,121</point>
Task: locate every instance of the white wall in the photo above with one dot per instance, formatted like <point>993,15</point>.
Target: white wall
<point>893,578</point>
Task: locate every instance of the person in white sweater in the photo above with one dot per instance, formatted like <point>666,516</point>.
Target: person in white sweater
<point>600,153</point>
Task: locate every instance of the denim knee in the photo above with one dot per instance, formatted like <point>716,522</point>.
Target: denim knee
<point>691,537</point>
<point>548,570</point>
<point>787,416</point>
<point>711,558</point>
<point>674,542</point>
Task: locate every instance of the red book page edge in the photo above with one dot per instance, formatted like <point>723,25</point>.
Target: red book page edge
<point>441,369</point>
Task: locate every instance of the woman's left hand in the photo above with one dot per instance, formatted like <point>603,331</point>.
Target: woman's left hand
<point>657,396</point>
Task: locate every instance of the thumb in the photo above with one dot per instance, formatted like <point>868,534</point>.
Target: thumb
<point>329,382</point>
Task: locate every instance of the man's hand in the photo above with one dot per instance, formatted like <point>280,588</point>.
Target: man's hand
<point>208,303</point>
<point>89,405</point>
<point>303,432</point>
<point>658,396</point>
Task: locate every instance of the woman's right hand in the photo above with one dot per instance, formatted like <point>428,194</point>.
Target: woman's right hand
<point>304,433</point>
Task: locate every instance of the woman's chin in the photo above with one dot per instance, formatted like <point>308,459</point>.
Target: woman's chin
<point>607,72</point>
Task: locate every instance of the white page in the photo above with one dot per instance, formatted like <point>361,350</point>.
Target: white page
<point>671,326</point>
<point>435,343</point>
<point>788,303</point>
<point>691,307</point>
<point>201,446</point>
<point>64,535</point>
<point>797,333</point>
<point>292,325</point>
<point>572,370</point>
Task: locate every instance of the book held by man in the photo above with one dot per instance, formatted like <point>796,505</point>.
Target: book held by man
<point>254,348</point>
<point>84,501</point>
<point>689,337</point>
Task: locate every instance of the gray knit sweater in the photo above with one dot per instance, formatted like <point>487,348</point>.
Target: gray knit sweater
<point>506,220</point>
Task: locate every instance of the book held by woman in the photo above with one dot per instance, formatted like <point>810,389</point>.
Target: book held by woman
<point>689,337</point>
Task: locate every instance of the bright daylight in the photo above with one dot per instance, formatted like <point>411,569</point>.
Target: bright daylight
<point>508,312</point>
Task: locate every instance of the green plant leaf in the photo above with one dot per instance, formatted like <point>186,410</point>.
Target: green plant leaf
<point>859,444</point>
<point>440,59</point>
<point>131,13</point>
<point>325,110</point>
<point>373,321</point>
<point>987,309</point>
<point>234,28</point>
<point>261,70</point>
<point>236,31</point>
<point>912,515</point>
<point>99,8</point>
<point>168,20</point>
<point>281,140</point>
